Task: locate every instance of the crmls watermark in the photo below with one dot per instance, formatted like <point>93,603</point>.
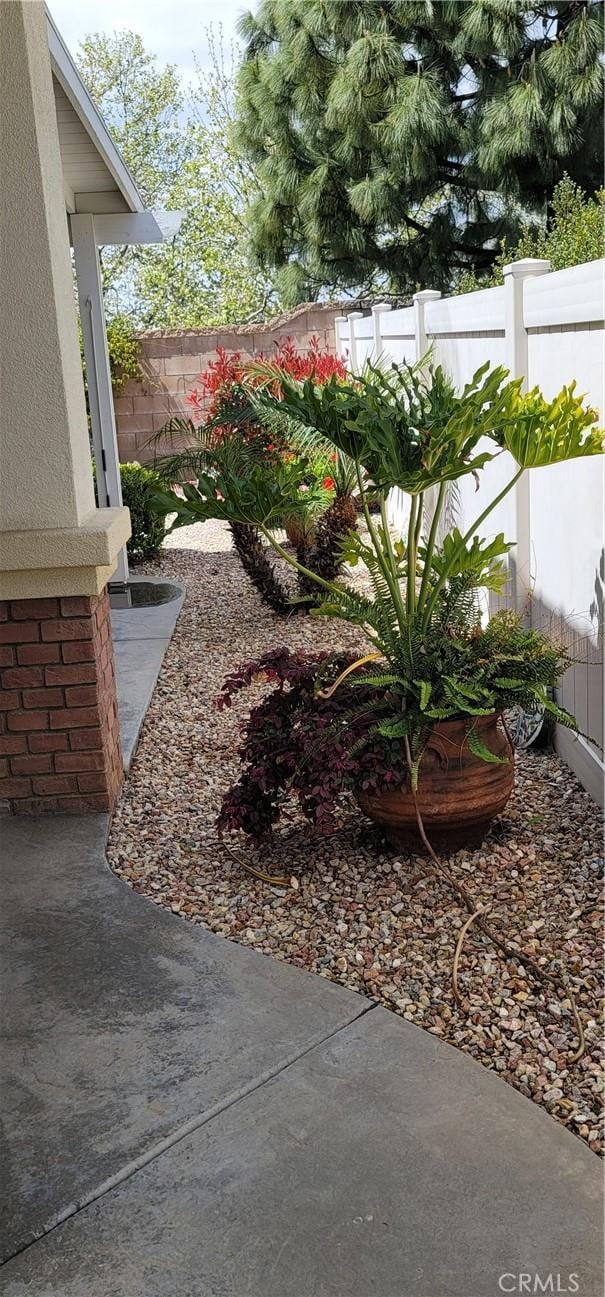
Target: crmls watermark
<point>539,1283</point>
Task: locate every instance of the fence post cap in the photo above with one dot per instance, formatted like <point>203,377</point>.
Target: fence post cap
<point>355,315</point>
<point>427,295</point>
<point>527,266</point>
<point>379,307</point>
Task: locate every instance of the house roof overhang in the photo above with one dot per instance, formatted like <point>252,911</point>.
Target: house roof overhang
<point>96,177</point>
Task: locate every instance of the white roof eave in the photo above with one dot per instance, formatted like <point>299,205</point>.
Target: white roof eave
<point>69,78</point>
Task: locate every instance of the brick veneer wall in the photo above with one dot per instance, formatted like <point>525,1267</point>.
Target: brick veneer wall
<point>59,733</point>
<point>172,360</point>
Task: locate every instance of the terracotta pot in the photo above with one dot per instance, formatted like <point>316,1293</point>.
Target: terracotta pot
<point>458,793</point>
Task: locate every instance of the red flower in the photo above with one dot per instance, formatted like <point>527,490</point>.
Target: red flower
<point>329,483</point>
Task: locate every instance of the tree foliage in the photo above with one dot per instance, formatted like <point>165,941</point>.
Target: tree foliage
<point>124,352</point>
<point>397,141</point>
<point>179,146</point>
<point>574,235</point>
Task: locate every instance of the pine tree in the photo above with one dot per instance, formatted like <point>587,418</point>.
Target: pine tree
<point>397,142</point>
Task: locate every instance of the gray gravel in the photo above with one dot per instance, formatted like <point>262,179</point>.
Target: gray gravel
<point>358,913</point>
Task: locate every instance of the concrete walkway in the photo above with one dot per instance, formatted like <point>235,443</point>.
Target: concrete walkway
<point>186,1118</point>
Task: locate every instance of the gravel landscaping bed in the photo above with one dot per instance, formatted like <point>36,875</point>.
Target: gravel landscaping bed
<point>359,913</point>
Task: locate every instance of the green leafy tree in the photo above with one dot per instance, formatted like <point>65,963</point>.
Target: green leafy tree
<point>179,146</point>
<point>142,106</point>
<point>574,234</point>
<point>398,141</point>
<point>206,276</point>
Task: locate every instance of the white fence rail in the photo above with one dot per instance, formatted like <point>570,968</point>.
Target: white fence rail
<point>547,328</point>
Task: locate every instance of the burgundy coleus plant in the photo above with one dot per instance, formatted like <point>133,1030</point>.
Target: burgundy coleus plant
<point>300,747</point>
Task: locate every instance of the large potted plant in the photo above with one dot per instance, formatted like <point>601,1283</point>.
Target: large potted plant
<point>418,736</point>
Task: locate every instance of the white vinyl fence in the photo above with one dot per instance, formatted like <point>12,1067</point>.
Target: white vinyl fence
<point>548,328</point>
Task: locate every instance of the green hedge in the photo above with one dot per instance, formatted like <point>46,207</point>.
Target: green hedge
<point>138,486</point>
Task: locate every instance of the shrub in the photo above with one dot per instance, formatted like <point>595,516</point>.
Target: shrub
<point>230,372</point>
<point>124,351</point>
<point>409,428</point>
<point>574,235</point>
<point>317,482</point>
<point>139,485</point>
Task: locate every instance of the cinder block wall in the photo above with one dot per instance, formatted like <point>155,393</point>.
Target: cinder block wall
<point>172,361</point>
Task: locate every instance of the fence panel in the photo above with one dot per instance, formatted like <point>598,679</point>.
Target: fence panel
<point>465,332</point>
<point>567,501</point>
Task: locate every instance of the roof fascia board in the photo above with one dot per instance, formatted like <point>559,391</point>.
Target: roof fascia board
<point>137,227</point>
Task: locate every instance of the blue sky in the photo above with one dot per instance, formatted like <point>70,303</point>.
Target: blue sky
<point>172,29</point>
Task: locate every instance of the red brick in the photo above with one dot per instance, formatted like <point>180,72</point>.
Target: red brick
<point>8,700</point>
<point>77,605</point>
<point>34,653</point>
<point>86,740</point>
<point>15,787</point>
<point>42,697</point>
<point>80,673</point>
<point>31,765</point>
<point>3,610</point>
<point>85,802</point>
<point>25,609</point>
<point>22,632</point>
<point>81,696</point>
<point>75,762</point>
<point>7,656</point>
<point>66,629</point>
<point>38,805</point>
<point>16,677</point>
<point>4,767</point>
<point>27,721</point>
<point>82,651</point>
<point>96,783</point>
<point>11,744</point>
<point>55,785</point>
<point>69,718</point>
<point>48,742</point>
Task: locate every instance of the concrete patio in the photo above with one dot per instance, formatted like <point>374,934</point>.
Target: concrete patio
<point>184,1116</point>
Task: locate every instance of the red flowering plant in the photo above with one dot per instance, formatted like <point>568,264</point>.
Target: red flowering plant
<point>229,374</point>
<point>316,482</point>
